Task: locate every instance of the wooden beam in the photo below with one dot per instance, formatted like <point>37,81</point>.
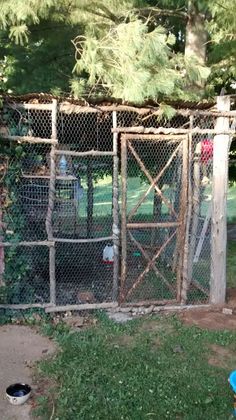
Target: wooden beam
<point>30,139</point>
<point>27,243</point>
<point>123,215</point>
<point>36,107</point>
<point>83,241</point>
<point>69,108</point>
<point>25,306</point>
<point>185,279</point>
<point>82,307</point>
<point>163,130</point>
<point>152,225</point>
<point>51,201</point>
<point>115,212</point>
<point>219,206</point>
<point>95,153</point>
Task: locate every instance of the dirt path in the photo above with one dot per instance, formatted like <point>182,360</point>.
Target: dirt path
<point>19,346</point>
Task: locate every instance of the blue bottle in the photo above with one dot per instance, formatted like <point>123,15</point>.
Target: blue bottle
<point>63,166</point>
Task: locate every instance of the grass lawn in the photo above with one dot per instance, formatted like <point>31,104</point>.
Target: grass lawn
<point>135,188</point>
<point>155,368</point>
<point>231,264</point>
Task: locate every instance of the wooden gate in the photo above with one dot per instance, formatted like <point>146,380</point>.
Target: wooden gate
<point>153,216</point>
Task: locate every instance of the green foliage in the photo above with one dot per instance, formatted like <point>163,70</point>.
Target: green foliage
<point>34,29</point>
<point>16,265</point>
<point>134,64</point>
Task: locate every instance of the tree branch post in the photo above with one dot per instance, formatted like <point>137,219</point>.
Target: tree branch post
<point>51,200</point>
<point>219,207</point>
<point>115,226</point>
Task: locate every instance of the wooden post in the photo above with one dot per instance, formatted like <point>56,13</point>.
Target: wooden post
<point>219,206</point>
<point>182,215</point>
<point>185,280</point>
<point>115,226</point>
<point>123,215</point>
<point>51,199</point>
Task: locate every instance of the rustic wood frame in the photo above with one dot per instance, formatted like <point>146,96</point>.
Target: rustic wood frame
<point>182,141</point>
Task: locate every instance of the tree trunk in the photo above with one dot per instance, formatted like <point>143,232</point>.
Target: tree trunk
<point>196,36</point>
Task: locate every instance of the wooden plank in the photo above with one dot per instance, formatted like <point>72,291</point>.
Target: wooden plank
<point>83,241</point>
<point>152,225</point>
<point>51,201</point>
<point>22,306</point>
<point>162,130</point>
<point>169,138</point>
<point>115,212</point>
<point>182,216</point>
<point>30,139</point>
<point>185,280</point>
<point>27,243</point>
<point>58,177</point>
<point>70,108</point>
<point>219,206</point>
<point>29,106</point>
<point>82,307</point>
<point>95,153</point>
<point>123,215</point>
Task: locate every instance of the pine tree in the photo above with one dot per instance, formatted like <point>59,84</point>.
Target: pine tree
<point>197,34</point>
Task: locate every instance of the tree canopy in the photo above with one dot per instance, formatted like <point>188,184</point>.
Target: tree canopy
<point>130,49</point>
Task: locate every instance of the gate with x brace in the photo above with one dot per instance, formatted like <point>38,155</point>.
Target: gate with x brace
<point>153,217</point>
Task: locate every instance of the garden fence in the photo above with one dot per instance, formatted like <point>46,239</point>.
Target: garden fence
<point>106,205</point>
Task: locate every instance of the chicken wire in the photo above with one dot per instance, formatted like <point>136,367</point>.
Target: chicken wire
<point>83,210</point>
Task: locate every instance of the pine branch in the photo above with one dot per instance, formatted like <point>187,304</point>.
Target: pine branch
<point>104,12</point>
<point>149,12</point>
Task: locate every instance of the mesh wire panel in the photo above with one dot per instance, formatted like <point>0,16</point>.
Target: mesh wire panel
<point>23,122</point>
<point>199,234</point>
<point>82,275</point>
<point>83,209</point>
<point>153,196</point>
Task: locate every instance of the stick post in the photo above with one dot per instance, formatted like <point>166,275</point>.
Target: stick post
<point>219,206</point>
<point>123,214</point>
<point>51,200</point>
<point>115,226</point>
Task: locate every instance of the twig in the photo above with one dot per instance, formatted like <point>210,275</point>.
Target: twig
<point>53,410</point>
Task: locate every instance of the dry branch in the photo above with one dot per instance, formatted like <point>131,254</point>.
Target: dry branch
<point>153,266</point>
<point>147,269</point>
<point>149,177</point>
<point>155,180</point>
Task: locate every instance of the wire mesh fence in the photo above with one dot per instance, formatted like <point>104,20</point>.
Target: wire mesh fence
<point>75,232</point>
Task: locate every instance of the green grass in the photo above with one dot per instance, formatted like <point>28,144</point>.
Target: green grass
<point>231,264</point>
<point>152,368</point>
<point>135,188</point>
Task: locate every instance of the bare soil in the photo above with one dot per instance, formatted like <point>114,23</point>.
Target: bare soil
<point>222,357</point>
<point>209,320</point>
<point>20,348</point>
